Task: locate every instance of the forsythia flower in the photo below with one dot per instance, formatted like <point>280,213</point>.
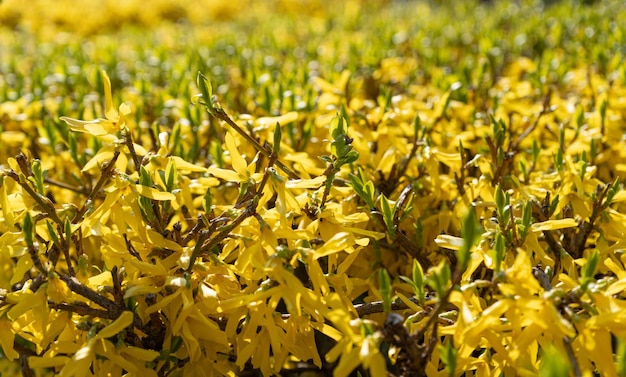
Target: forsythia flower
<point>115,121</point>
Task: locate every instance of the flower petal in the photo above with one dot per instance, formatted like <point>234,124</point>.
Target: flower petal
<point>109,111</point>
<point>236,160</point>
<point>123,321</point>
<point>154,194</point>
<point>554,224</point>
<point>7,338</point>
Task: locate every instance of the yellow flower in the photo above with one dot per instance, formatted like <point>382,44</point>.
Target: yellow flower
<point>115,121</point>
<point>6,339</point>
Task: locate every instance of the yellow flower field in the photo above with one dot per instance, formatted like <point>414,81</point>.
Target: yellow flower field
<point>312,188</point>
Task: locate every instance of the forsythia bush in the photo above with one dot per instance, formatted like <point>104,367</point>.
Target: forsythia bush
<point>311,188</point>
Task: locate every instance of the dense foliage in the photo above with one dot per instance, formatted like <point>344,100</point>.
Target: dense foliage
<point>312,187</point>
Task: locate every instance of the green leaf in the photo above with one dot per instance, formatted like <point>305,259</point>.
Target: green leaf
<point>370,193</point>
<point>349,157</point>
<point>363,187</point>
<point>28,228</point>
<point>583,165</point>
<point>387,212</point>
<point>177,341</point>
<point>593,150</point>
<point>526,219</point>
<point>73,147</point>
<point>144,178</point>
<point>448,355</point>
<point>384,282</point>
<point>554,203</point>
<point>470,232</point>
<point>589,269</point>
<point>68,230</point>
<point>53,234</point>
<point>580,116</point>
<point>278,134</point>
<point>337,126</point>
<point>327,159</point>
<point>499,131</point>
<point>419,233</point>
<point>603,107</point>
<point>536,151</point>
<point>417,126</point>
<point>553,363</point>
<point>621,357</point>
<point>38,176</point>
<point>418,280</point>
<point>500,202</point>
<point>207,92</point>
<point>499,251</point>
<point>357,186</point>
<point>613,190</point>
<point>561,137</point>
<point>171,175</point>
<point>146,203</point>
<point>439,278</point>
<point>408,208</point>
<point>207,203</point>
<point>175,139</point>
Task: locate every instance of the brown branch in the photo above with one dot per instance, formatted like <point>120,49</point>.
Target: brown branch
<point>514,146</point>
<point>34,256</point>
<point>118,294</point>
<point>571,356</point>
<point>221,114</point>
<point>45,203</point>
<point>404,164</point>
<point>377,307</point>
<point>586,227</point>
<point>77,287</point>
<point>205,246</point>
<point>194,231</point>
<point>26,371</point>
<point>266,175</point>
<point>77,239</point>
<point>401,203</point>
<point>128,141</point>
<point>67,186</point>
<point>82,309</point>
<point>396,333</point>
<point>542,213</point>
<point>112,310</point>
<point>107,170</point>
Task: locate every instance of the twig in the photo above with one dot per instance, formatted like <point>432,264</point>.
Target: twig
<point>128,141</point>
<point>118,295</point>
<point>78,243</point>
<point>585,227</point>
<point>572,357</point>
<point>401,203</point>
<point>67,186</point>
<point>377,307</point>
<point>77,287</point>
<point>514,146</point>
<point>194,231</point>
<point>221,114</point>
<point>206,246</point>
<point>34,256</point>
<point>131,249</point>
<point>107,170</point>
<point>43,201</point>
<point>26,371</point>
<point>81,309</point>
<point>443,301</point>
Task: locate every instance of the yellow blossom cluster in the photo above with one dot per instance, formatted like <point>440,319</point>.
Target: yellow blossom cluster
<point>214,189</point>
